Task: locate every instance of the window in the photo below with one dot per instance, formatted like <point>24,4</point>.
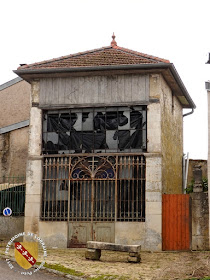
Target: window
<point>95,130</point>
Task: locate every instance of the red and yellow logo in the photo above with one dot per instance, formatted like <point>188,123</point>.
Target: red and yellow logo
<point>26,253</point>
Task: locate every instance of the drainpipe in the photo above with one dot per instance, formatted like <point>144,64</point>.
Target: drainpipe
<point>186,172</point>
<point>185,167</point>
<point>183,173</point>
<point>187,114</point>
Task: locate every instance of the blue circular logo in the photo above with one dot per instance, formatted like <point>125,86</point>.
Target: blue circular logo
<point>7,211</point>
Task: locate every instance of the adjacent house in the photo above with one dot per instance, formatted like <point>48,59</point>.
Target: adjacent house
<point>14,127</point>
<point>14,124</point>
<point>105,142</point>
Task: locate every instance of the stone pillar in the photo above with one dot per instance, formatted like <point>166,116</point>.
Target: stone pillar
<point>200,213</point>
<point>153,217</point>
<point>154,128</point>
<point>34,165</point>
<point>154,115</point>
<point>200,221</point>
<point>197,174</point>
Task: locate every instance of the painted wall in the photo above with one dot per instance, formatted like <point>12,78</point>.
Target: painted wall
<point>15,103</point>
<point>14,108</point>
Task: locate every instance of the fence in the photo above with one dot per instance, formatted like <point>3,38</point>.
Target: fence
<point>94,188</point>
<point>176,226</point>
<point>12,194</point>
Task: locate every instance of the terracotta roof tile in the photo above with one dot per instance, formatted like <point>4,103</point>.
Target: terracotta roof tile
<point>112,55</point>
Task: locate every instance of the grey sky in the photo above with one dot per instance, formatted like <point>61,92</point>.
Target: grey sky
<point>33,31</point>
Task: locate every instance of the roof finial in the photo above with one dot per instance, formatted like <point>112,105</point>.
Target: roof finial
<point>113,43</point>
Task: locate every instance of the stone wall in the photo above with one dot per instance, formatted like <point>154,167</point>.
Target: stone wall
<point>147,234</point>
<point>165,133</point>
<point>10,226</point>
<point>192,163</point>
<point>171,140</point>
<point>13,153</point>
<point>200,221</point>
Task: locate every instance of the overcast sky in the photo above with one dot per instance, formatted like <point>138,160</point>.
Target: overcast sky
<point>32,31</point>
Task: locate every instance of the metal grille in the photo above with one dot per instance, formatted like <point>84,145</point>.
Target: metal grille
<point>94,188</point>
<point>12,194</point>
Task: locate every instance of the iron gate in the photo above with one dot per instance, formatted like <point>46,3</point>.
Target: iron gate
<point>92,189</point>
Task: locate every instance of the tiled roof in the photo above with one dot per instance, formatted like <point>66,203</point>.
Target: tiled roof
<point>111,58</point>
<point>111,55</point>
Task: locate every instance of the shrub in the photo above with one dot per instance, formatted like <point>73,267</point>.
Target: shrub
<point>189,188</point>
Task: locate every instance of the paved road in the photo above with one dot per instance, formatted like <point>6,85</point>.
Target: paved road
<point>10,274</point>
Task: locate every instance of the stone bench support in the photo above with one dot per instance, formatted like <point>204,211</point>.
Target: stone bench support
<point>93,251</point>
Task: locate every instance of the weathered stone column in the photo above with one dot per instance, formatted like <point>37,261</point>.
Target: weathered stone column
<point>153,214</point>
<point>200,221</point>
<point>34,165</point>
<point>153,217</point>
<point>200,213</point>
<point>197,174</point>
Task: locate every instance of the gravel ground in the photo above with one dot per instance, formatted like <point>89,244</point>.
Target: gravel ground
<point>164,265</point>
<point>114,265</point>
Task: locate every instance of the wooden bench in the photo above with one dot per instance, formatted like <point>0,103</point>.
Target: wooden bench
<point>94,248</point>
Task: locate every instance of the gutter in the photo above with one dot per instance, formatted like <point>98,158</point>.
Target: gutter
<point>93,68</point>
<point>170,66</point>
<point>190,113</point>
<point>182,86</point>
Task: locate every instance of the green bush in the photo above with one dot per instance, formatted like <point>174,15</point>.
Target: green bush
<point>189,188</point>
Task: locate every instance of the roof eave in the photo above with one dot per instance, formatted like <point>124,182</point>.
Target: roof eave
<point>186,103</point>
<point>182,86</point>
<point>90,68</point>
